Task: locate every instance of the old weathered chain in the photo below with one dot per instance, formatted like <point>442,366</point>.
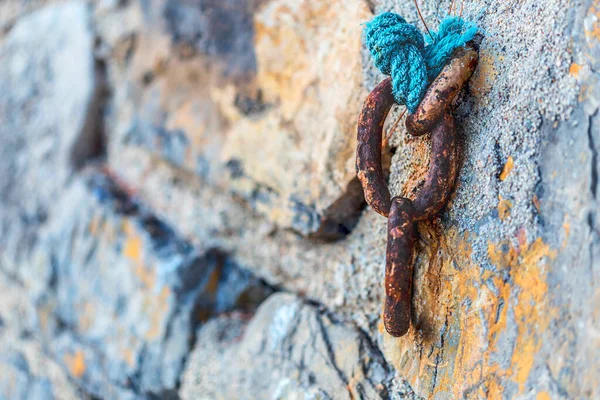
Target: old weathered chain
<point>433,115</point>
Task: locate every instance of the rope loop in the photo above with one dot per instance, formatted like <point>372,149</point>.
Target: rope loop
<point>399,50</point>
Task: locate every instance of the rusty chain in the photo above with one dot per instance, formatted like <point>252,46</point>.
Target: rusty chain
<point>434,116</point>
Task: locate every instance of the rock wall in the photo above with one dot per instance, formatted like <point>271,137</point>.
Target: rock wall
<point>180,215</point>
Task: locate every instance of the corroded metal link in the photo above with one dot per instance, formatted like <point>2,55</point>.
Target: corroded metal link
<point>443,167</point>
<point>441,93</point>
<point>368,151</point>
<point>402,235</point>
<point>432,116</point>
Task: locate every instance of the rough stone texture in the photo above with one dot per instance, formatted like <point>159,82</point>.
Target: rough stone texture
<point>490,314</point>
<point>26,372</point>
<point>230,124</point>
<point>206,73</point>
<point>120,295</point>
<point>11,10</point>
<point>305,355</point>
<point>48,90</point>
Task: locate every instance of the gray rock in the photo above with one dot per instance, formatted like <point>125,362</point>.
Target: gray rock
<point>505,274</point>
<point>121,293</point>
<point>288,350</point>
<point>192,93</point>
<point>231,128</point>
<point>26,371</point>
<point>48,102</point>
<point>11,10</point>
<point>17,382</point>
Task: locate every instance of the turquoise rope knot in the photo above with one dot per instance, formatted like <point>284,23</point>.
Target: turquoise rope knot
<point>399,50</point>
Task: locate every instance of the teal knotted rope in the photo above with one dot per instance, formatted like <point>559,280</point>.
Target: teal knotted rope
<point>399,50</point>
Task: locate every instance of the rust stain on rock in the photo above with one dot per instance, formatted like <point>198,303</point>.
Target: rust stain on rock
<point>463,311</point>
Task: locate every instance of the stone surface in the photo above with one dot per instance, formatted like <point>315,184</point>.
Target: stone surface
<point>229,130</point>
<point>218,89</point>
<point>26,372</point>
<point>298,352</point>
<point>490,313</point>
<point>119,294</point>
<point>48,93</point>
<point>12,10</point>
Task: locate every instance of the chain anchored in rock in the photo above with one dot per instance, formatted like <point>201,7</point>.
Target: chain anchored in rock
<point>433,115</point>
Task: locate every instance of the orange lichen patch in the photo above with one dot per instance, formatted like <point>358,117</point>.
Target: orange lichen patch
<point>468,309</point>
<point>133,248</point>
<point>145,275</point>
<point>531,311</point>
<point>543,396</point>
<point>574,69</point>
<point>156,307</point>
<point>504,207</point>
<point>75,363</point>
<point>529,303</point>
<point>507,168</point>
<point>593,32</point>
<point>446,278</point>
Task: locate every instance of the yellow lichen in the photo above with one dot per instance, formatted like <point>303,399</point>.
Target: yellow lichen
<point>470,307</point>
<point>504,207</point>
<point>507,168</point>
<point>593,33</point>
<point>543,396</point>
<point>145,275</point>
<point>574,69</point>
<point>75,363</point>
<point>133,248</point>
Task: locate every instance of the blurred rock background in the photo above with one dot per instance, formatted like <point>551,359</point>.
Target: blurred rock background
<point>179,215</point>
